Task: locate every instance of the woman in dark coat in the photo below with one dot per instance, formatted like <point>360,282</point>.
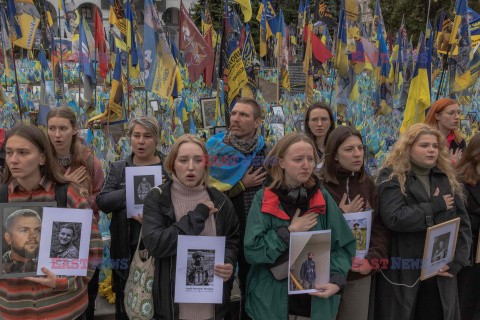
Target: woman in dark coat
<point>144,135</point>
<point>348,183</point>
<point>468,171</point>
<point>418,189</point>
<point>186,205</point>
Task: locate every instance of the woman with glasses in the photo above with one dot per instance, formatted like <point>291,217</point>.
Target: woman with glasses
<point>444,115</point>
<point>318,125</point>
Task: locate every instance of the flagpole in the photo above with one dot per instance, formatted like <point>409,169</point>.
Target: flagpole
<point>61,54</point>
<point>128,84</point>
<point>279,43</point>
<point>443,72</point>
<point>16,81</point>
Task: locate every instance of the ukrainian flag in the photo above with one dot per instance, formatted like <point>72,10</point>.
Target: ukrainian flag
<point>419,94</point>
<point>341,58</point>
<point>383,69</point>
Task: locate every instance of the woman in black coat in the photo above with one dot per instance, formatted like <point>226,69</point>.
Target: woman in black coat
<point>186,205</point>
<point>144,135</point>
<point>418,189</point>
<point>468,171</point>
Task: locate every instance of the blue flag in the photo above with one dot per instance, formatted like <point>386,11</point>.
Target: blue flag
<point>84,54</point>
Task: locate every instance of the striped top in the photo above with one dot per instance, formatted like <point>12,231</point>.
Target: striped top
<point>22,299</point>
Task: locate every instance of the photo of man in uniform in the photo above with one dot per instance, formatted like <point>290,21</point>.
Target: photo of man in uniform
<point>22,234</point>
<point>199,271</point>
<point>63,244</point>
<point>307,273</point>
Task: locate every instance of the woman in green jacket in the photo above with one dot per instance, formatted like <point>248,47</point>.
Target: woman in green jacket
<point>293,202</point>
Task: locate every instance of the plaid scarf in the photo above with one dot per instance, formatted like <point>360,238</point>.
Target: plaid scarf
<point>244,146</point>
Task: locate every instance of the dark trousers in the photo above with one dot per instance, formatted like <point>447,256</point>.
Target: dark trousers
<point>468,281</point>
<point>92,294</point>
<point>243,269</point>
<point>428,305</point>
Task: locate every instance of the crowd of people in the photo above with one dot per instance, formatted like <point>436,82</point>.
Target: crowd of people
<point>306,182</point>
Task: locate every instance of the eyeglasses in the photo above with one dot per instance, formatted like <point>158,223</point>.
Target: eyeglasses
<point>322,119</point>
<point>453,112</point>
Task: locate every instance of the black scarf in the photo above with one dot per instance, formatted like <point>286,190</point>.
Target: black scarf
<point>296,198</point>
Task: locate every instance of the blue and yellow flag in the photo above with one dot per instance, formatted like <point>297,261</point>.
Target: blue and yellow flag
<point>14,27</point>
<point>419,95</point>
<point>28,19</point>
<point>271,18</point>
<point>246,7</point>
<point>378,20</point>
<point>283,53</point>
<point>383,99</point>
<point>117,15</point>
<point>131,43</point>
<point>247,57</point>
<point>341,58</point>
<point>160,70</point>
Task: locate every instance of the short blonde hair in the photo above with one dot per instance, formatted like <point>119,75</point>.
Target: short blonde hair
<point>278,152</point>
<point>150,124</point>
<point>169,163</point>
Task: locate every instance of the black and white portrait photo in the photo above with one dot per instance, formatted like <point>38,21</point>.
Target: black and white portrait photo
<point>440,247</point>
<point>65,240</point>
<point>200,264</point>
<point>21,240</point>
<point>142,184</point>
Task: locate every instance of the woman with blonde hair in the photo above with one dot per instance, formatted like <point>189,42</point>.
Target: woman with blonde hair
<point>418,189</point>
<point>444,115</point>
<point>187,205</point>
<point>294,201</point>
<point>468,171</point>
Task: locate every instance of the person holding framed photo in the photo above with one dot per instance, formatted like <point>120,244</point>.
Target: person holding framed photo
<point>345,178</point>
<point>187,205</point>
<point>32,175</point>
<point>80,166</point>
<point>319,123</point>
<point>418,189</point>
<point>444,115</point>
<point>468,171</point>
<point>293,201</point>
<point>144,134</point>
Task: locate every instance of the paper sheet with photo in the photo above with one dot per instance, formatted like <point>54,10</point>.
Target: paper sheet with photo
<point>65,241</point>
<point>309,261</point>
<point>139,180</point>
<point>361,225</point>
<point>195,281</point>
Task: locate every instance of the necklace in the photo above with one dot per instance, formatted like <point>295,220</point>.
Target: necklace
<point>65,161</point>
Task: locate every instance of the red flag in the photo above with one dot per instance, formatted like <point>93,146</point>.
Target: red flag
<point>104,58</point>
<point>319,50</point>
<point>198,54</point>
<point>208,73</point>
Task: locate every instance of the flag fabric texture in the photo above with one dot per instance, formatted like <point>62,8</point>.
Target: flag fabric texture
<point>419,95</point>
<point>117,15</point>
<point>100,44</point>
<point>308,70</point>
<point>341,58</point>
<point>28,19</point>
<point>383,99</point>
<point>198,54</point>
<point>246,7</point>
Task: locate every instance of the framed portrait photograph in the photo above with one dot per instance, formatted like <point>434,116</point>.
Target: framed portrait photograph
<point>309,261</point>
<point>195,280</point>
<point>439,247</point>
<point>361,225</point>
<point>208,112</point>
<point>139,180</point>
<point>65,241</point>
<point>21,230</point>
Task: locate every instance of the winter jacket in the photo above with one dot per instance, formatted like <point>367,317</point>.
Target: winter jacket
<point>408,217</point>
<point>380,235</point>
<point>267,238</point>
<point>160,234</point>
<point>124,232</point>
<point>473,210</point>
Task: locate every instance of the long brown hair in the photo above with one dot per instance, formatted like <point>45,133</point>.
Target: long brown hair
<point>279,151</point>
<point>331,167</point>
<point>323,106</point>
<point>37,137</point>
<point>77,149</point>
<point>399,159</point>
<point>437,107</point>
<point>467,166</point>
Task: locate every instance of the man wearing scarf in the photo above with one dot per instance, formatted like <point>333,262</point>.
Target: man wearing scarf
<point>236,158</point>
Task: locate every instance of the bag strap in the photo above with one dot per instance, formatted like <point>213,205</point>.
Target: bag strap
<point>139,239</point>
<point>3,193</point>
<point>61,190</point>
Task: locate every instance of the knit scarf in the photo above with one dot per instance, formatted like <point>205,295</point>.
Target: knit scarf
<point>244,146</point>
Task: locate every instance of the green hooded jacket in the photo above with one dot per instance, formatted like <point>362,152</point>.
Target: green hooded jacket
<point>267,298</point>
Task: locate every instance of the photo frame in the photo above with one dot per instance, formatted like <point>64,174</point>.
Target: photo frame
<point>208,106</point>
<point>361,225</point>
<point>278,130</point>
<point>154,105</point>
<point>65,241</point>
<point>439,249</point>
<point>278,115</point>
<point>139,180</point>
<point>219,129</point>
<point>195,281</point>
<point>309,261</point>
<point>18,217</point>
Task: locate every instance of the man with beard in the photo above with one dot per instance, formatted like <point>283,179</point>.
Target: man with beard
<point>23,236</point>
<point>237,157</point>
<point>65,248</point>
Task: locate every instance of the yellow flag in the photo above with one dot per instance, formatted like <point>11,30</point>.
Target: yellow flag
<point>246,7</point>
<point>28,25</point>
